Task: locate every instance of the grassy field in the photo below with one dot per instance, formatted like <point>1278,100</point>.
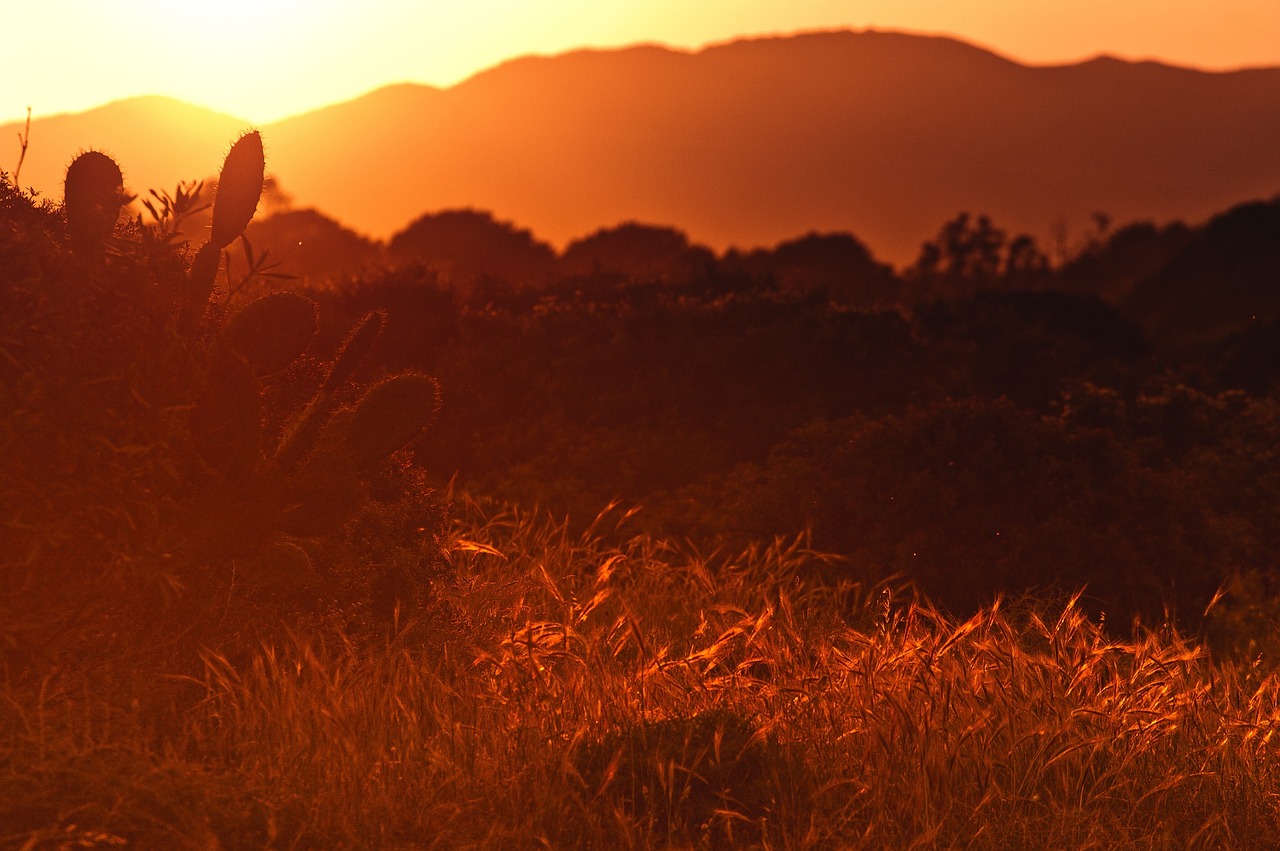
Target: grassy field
<point>564,692</point>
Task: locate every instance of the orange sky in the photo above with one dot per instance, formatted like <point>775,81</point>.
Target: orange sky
<point>265,59</point>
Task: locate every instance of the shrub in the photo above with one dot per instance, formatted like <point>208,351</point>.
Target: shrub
<point>971,499</point>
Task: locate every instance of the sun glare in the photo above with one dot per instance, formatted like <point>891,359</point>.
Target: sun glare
<point>199,25</point>
<point>262,60</point>
<point>236,56</point>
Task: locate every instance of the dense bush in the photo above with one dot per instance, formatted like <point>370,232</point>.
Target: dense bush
<point>313,246</point>
<point>469,248</point>
<point>977,498</point>
<point>1222,280</point>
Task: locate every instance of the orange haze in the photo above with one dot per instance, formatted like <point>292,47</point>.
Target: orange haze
<point>265,59</point>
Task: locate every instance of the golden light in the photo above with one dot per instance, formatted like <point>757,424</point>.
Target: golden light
<point>262,60</point>
<point>222,25</point>
<point>234,55</point>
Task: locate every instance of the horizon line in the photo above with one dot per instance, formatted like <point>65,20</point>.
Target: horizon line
<point>261,121</point>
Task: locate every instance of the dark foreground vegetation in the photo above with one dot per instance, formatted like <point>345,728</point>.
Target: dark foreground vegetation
<point>982,423</point>
<point>780,549</point>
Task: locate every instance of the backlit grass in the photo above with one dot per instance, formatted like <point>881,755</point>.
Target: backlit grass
<point>568,693</point>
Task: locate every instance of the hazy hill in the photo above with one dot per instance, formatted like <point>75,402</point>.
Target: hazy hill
<point>886,135</point>
<point>157,141</point>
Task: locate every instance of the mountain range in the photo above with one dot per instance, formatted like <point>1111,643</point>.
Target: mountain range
<point>885,135</point>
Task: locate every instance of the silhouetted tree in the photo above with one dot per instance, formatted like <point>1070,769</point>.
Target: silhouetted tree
<point>466,247</point>
<point>971,255</point>
<point>837,265</point>
<point>1224,280</point>
<point>637,252</point>
<point>1110,269</point>
<point>310,245</point>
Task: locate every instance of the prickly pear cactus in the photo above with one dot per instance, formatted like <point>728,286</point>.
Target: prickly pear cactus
<point>313,480</point>
<point>239,189</point>
<point>389,416</point>
<point>303,433</point>
<point>94,193</point>
<point>272,332</point>
<point>257,495</point>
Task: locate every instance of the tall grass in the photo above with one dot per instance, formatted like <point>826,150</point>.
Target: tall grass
<point>567,692</point>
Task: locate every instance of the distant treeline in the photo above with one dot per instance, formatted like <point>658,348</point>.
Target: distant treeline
<point>1178,282</point>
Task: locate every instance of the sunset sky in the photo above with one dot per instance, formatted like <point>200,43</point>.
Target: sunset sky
<point>265,59</point>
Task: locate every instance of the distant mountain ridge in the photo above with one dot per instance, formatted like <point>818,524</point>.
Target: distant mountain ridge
<point>885,135</point>
<point>157,141</point>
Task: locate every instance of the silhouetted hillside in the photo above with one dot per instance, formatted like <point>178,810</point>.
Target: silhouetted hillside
<point>1226,279</point>
<point>753,142</point>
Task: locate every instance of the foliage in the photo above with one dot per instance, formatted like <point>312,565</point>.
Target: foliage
<point>636,252</point>
<point>1223,279</point>
<point>233,612</point>
<point>468,247</point>
<point>971,255</point>
<point>1111,269</point>
<point>700,403</point>
<point>836,265</point>
<point>1029,346</point>
<point>974,499</point>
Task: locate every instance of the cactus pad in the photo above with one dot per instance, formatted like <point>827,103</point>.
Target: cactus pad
<point>93,192</point>
<point>239,188</point>
<point>389,416</point>
<point>355,349</point>
<point>272,332</point>
<point>204,269</point>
